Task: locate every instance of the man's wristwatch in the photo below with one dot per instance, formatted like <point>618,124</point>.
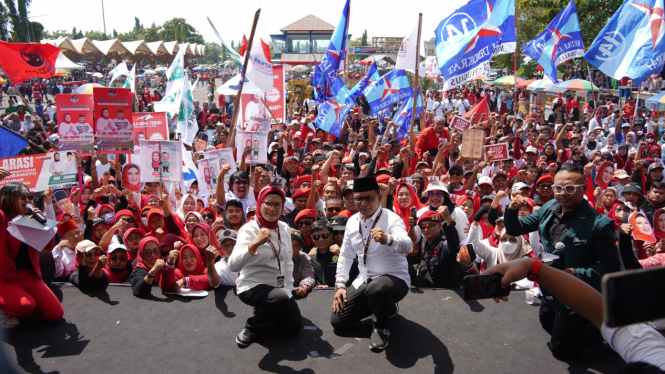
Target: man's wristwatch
<point>535,269</point>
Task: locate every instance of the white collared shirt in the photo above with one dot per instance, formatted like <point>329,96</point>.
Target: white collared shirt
<point>381,259</point>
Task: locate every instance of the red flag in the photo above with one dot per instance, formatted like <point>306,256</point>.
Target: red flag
<point>23,61</point>
<point>480,108</point>
<point>243,46</point>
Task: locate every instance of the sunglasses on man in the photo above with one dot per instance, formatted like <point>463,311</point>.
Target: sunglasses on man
<point>304,223</point>
<point>318,236</point>
<point>334,209</point>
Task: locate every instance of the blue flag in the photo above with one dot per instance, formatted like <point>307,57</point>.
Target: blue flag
<point>331,116</point>
<point>559,42</point>
<point>369,78</point>
<point>467,39</point>
<point>11,143</point>
<point>337,48</point>
<point>387,91</point>
<point>630,45</point>
<point>321,88</point>
<point>403,116</point>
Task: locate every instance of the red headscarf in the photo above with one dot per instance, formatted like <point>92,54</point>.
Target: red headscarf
<point>613,215</point>
<point>114,277</point>
<point>198,270</point>
<point>139,262</point>
<point>465,198</point>
<point>259,218</point>
<point>131,254</point>
<point>101,206</point>
<point>405,213</point>
<point>205,228</point>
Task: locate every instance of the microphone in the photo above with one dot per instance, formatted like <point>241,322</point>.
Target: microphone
<point>40,218</point>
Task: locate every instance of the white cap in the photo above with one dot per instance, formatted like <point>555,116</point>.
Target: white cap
<point>531,149</point>
<point>115,246</point>
<point>437,186</point>
<point>88,245</point>
<point>485,180</point>
<point>519,185</point>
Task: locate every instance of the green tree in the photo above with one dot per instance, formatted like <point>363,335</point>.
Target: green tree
<point>115,33</point>
<point>364,38</point>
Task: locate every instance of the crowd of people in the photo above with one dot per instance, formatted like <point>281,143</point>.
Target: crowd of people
<point>370,215</point>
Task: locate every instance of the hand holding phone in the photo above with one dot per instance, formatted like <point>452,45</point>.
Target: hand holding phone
<point>484,286</point>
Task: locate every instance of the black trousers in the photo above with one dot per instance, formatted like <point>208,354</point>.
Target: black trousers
<point>272,308</point>
<point>571,333</point>
<point>378,297</point>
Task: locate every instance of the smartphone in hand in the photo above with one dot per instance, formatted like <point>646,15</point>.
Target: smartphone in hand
<point>633,296</point>
<point>484,286</point>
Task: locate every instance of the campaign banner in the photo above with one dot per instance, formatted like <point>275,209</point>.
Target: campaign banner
<point>460,124</point>
<point>258,141</point>
<point>500,151</point>
<point>208,172</point>
<point>160,161</point>
<point>150,126</point>
<point>259,124</point>
<point>75,130</point>
<point>276,100</point>
<point>113,111</point>
<point>252,109</point>
<point>225,156</point>
<point>39,172</point>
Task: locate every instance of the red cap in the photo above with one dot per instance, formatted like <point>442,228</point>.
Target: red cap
<point>544,179</point>
<point>306,213</point>
<point>383,178</point>
<point>355,110</point>
<point>296,136</point>
<point>124,212</point>
<point>303,179</point>
<point>153,212</point>
<point>430,215</point>
<point>300,192</point>
<point>66,226</point>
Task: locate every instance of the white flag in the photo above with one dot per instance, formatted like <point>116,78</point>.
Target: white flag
<point>259,67</point>
<point>118,71</point>
<point>406,56</point>
<point>130,82</point>
<point>170,102</point>
<point>232,52</point>
<point>187,124</point>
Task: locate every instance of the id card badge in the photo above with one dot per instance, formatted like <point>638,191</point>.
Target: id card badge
<point>280,281</point>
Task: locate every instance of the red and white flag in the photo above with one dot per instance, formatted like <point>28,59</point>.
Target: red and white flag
<point>23,61</point>
<point>259,67</point>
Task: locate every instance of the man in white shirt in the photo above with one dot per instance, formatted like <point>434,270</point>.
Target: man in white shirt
<point>83,127</point>
<point>381,242</point>
<point>121,123</point>
<point>447,106</point>
<point>462,104</point>
<point>437,108</point>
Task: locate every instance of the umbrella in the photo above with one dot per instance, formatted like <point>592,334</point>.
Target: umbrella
<point>98,75</point>
<point>232,86</point>
<point>149,72</point>
<point>508,80</point>
<point>199,68</point>
<point>2,81</point>
<point>160,70</point>
<point>577,85</point>
<point>526,83</point>
<point>540,85</point>
<point>656,102</point>
<point>86,88</point>
<point>481,78</point>
<point>301,69</point>
<point>60,73</point>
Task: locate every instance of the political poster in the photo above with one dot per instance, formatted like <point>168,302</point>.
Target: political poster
<point>150,126</point>
<point>75,129</point>
<point>253,110</point>
<point>160,161</point>
<point>460,124</point>
<point>131,177</point>
<point>257,141</point>
<point>113,111</point>
<point>500,151</point>
<point>259,124</point>
<point>276,99</point>
<point>225,156</point>
<point>39,172</point>
<point>208,172</point>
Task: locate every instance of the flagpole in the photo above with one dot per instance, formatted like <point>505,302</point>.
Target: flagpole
<point>236,108</point>
<point>415,88</point>
<point>515,103</point>
<point>637,105</point>
<point>588,70</point>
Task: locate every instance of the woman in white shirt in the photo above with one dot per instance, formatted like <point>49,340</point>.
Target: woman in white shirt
<point>263,256</point>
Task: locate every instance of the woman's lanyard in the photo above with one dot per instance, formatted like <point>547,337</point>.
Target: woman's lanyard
<point>276,251</point>
<point>366,244</point>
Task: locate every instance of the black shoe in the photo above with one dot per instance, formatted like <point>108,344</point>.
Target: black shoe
<point>394,314</point>
<point>245,338</point>
<point>379,339</point>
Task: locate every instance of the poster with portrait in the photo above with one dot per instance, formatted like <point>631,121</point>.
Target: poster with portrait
<point>604,174</point>
<point>659,223</point>
<point>113,114</point>
<point>259,124</point>
<point>150,126</point>
<point>276,100</point>
<point>257,141</point>
<point>225,157</point>
<point>160,161</point>
<point>253,110</point>
<point>131,177</point>
<point>64,201</point>
<point>75,126</point>
<point>40,172</point>
<point>642,229</point>
<point>208,172</point>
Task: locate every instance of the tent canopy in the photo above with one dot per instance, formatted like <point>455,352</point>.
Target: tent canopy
<point>172,47</point>
<point>158,48</point>
<point>85,46</point>
<point>138,47</point>
<point>62,62</point>
<point>64,44</point>
<point>110,46</point>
